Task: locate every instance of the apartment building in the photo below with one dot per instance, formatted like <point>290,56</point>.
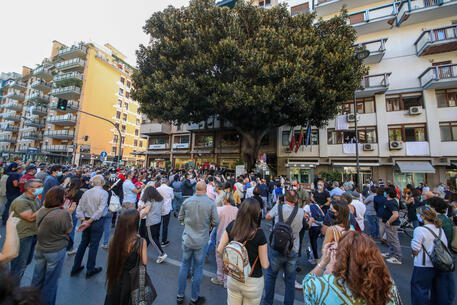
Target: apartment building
<point>48,112</point>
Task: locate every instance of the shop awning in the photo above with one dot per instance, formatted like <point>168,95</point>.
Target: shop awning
<point>416,167</point>
<point>354,164</point>
<point>301,164</point>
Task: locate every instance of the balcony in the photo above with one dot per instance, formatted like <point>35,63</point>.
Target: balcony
<point>373,84</point>
<point>76,51</point>
<point>68,93</point>
<point>41,85</point>
<point>374,19</point>
<point>418,11</point>
<point>60,134</point>
<point>37,110</point>
<point>75,64</point>
<point>43,73</point>
<point>15,84</point>
<point>62,120</point>
<point>15,96</point>
<point>12,105</point>
<point>439,77</point>
<point>11,116</point>
<point>163,146</point>
<point>327,7</point>
<point>7,139</point>
<point>72,106</point>
<point>8,127</point>
<point>38,98</point>
<point>436,41</point>
<point>32,135</point>
<point>65,77</point>
<point>37,123</point>
<point>58,148</point>
<point>181,145</point>
<point>377,50</point>
<point>155,128</point>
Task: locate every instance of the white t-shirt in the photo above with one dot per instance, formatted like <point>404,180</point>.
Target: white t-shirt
<point>360,210</point>
<point>127,188</point>
<point>168,195</point>
<point>424,237</point>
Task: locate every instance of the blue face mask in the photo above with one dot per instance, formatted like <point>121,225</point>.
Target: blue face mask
<point>38,191</point>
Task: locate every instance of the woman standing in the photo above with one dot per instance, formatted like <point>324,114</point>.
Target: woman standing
<point>125,250</point>
<point>428,285</point>
<point>152,209</point>
<point>341,225</point>
<point>73,194</point>
<point>244,230</point>
<point>53,225</point>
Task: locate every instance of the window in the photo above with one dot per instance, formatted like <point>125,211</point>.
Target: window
<point>115,138</point>
<point>138,121</point>
<point>408,133</point>
<point>137,132</point>
<point>124,117</point>
<point>114,150</point>
<point>448,131</point>
<point>126,106</point>
<point>122,80</point>
<point>313,140</point>
<point>141,143</point>
<point>204,140</point>
<point>128,84</point>
<point>118,115</point>
<point>135,143</point>
<point>446,98</point>
<point>121,92</point>
<point>398,102</point>
<point>366,135</point>
<point>122,140</point>
<point>230,139</point>
<point>299,9</point>
<point>182,139</point>
<point>123,128</point>
<point>158,140</point>
<point>127,94</point>
<point>366,105</point>
<point>119,103</point>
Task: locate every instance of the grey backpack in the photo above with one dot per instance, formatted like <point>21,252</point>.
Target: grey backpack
<point>440,256</point>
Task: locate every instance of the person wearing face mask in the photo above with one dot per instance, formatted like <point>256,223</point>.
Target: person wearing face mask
<point>321,196</point>
<point>51,180</point>
<point>26,208</point>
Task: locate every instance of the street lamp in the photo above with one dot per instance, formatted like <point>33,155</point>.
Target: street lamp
<point>360,55</point>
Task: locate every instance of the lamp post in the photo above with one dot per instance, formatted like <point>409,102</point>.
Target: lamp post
<point>360,55</point>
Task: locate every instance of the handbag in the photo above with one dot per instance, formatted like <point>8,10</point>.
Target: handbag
<point>142,290</point>
<point>114,203</point>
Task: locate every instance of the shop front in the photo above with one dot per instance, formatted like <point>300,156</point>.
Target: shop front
<point>183,162</point>
<point>301,171</point>
<point>451,175</point>
<point>412,172</point>
<point>349,171</point>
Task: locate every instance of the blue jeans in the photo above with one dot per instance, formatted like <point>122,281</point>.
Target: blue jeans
<point>72,233</point>
<point>194,258</point>
<point>48,267</point>
<point>20,263</point>
<point>211,246</point>
<point>372,227</point>
<point>90,238</point>
<point>107,227</point>
<point>177,201</point>
<point>278,262</point>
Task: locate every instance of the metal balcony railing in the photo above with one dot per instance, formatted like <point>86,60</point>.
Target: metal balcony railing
<point>444,72</point>
<point>439,35</point>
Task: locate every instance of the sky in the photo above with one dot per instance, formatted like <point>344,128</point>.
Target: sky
<point>28,27</point>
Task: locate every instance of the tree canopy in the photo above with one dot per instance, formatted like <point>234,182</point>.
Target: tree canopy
<point>256,68</point>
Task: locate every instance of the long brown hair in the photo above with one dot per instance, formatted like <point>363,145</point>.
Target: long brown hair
<point>342,218</point>
<point>74,187</point>
<point>246,220</point>
<point>120,245</point>
<point>363,269</point>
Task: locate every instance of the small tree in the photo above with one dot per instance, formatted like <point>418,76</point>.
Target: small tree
<point>258,69</point>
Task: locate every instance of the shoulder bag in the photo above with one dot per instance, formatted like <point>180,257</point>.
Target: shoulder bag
<point>142,291</point>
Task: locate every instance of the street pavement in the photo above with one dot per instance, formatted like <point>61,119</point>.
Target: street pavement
<point>81,291</point>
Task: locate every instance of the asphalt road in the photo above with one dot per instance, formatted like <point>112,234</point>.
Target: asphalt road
<point>81,291</point>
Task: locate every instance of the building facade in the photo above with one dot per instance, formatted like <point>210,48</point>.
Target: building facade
<point>47,112</point>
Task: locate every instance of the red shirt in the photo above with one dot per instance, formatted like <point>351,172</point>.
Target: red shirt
<point>23,180</point>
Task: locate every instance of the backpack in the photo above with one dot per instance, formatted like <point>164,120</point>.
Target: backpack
<point>440,256</point>
<point>316,212</point>
<point>236,261</point>
<point>282,237</point>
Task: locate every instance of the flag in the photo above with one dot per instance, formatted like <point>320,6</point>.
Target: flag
<point>292,139</point>
<point>308,135</point>
<point>300,139</point>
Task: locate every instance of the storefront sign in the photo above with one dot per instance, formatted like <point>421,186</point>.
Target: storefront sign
<point>240,170</point>
<point>158,146</point>
<point>180,145</point>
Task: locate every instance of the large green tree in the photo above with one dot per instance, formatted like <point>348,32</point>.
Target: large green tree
<point>256,68</point>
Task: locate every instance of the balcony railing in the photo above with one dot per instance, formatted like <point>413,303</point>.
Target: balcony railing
<point>72,106</point>
<point>15,84</point>
<point>68,76</point>
<point>327,7</point>
<point>380,13</point>
<point>66,120</point>
<point>39,98</point>
<point>43,72</point>
<point>15,96</point>
<point>60,134</point>
<point>73,51</point>
<point>12,105</point>
<point>75,64</point>
<point>35,123</point>
<point>439,77</point>
<point>70,93</point>
<point>155,128</point>
<point>377,50</point>
<point>8,127</point>
<point>427,9</point>
<point>58,148</point>
<point>11,116</point>
<point>32,135</point>
<point>41,85</point>
<point>7,139</point>
<point>37,110</point>
<point>437,41</point>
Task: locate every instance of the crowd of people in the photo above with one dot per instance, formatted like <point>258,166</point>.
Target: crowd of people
<point>254,227</point>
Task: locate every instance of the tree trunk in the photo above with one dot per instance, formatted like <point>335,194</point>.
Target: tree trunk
<point>250,146</point>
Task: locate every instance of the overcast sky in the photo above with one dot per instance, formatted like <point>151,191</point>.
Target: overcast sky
<point>28,27</point>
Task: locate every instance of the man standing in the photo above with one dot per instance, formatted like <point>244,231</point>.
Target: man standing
<point>280,261</point>
<point>187,187</point>
<point>199,215</point>
<point>321,196</point>
<point>92,207</point>
<point>130,191</point>
<point>52,179</point>
<point>372,219</point>
<point>12,188</point>
<point>392,223</point>
<point>25,207</point>
<point>168,196</point>
<point>30,172</point>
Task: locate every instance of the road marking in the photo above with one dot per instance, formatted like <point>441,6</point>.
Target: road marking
<point>210,274</point>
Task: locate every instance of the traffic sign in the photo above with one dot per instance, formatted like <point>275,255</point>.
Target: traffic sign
<point>103,155</point>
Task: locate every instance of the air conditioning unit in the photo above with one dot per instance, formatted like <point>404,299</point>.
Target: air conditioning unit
<point>368,147</point>
<point>351,117</point>
<point>415,110</point>
<point>396,145</point>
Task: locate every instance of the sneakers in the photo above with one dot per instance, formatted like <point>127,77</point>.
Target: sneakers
<point>199,301</point>
<point>298,286</point>
<point>216,281</point>
<point>165,243</point>
<point>93,272</point>
<point>105,247</point>
<point>161,258</point>
<point>71,252</point>
<point>76,271</point>
<point>385,255</point>
<point>179,300</point>
<point>394,260</point>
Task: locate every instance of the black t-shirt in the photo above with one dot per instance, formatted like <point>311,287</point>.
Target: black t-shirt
<point>321,198</point>
<point>252,246</point>
<point>390,206</point>
<point>12,192</point>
